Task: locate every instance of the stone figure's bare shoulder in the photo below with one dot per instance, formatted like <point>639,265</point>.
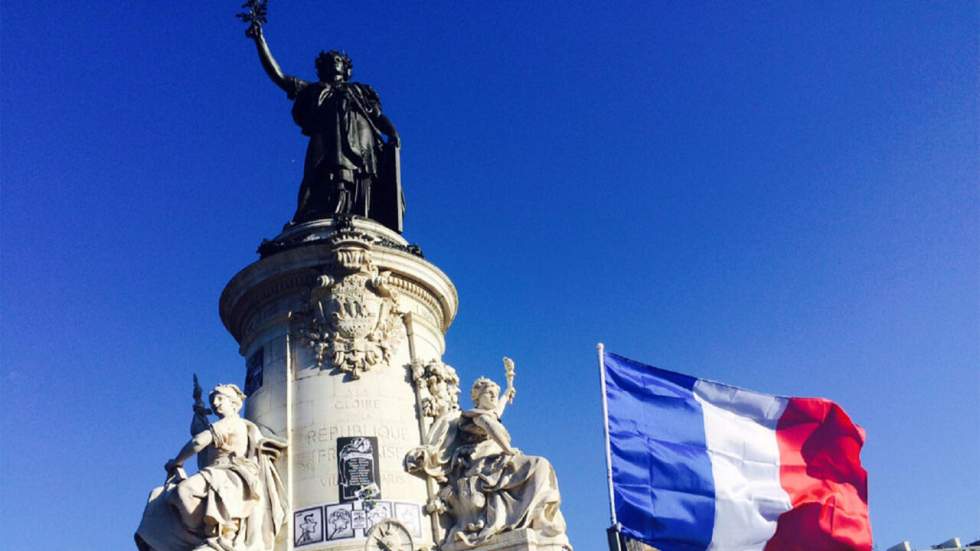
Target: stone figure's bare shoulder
<point>231,427</point>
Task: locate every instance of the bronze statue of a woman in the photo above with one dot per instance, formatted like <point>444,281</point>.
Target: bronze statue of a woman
<point>350,169</point>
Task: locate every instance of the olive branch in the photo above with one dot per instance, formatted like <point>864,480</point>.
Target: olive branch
<point>256,14</point>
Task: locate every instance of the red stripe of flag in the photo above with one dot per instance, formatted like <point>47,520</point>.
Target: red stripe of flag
<point>820,469</point>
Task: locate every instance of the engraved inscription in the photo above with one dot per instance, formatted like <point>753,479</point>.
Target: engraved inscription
<point>357,403</point>
<point>328,433</point>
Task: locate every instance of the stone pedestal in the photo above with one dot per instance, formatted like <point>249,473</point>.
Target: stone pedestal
<point>323,322</point>
<point>518,540</point>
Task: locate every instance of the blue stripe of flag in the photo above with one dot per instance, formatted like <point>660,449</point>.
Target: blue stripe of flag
<point>662,485</point>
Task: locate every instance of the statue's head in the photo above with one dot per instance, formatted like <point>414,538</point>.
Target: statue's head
<point>484,393</point>
<point>333,65</point>
<point>226,399</point>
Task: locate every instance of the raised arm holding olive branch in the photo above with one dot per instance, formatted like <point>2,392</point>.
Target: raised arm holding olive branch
<point>256,17</point>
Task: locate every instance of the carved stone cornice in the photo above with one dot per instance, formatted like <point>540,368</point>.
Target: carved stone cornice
<point>340,228</point>
<point>334,248</point>
<point>240,318</point>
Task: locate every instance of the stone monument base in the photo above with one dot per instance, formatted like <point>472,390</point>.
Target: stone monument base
<point>519,540</point>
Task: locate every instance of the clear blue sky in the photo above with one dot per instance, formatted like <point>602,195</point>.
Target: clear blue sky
<point>783,197</point>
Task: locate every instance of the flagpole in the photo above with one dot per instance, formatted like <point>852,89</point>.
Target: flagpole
<point>601,349</point>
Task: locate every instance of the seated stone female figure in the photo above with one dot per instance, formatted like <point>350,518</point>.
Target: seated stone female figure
<point>234,503</point>
<point>492,486</point>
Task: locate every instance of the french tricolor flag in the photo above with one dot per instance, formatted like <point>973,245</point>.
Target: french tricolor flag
<point>699,465</point>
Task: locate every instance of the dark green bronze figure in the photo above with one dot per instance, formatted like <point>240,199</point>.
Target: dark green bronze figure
<point>350,168</point>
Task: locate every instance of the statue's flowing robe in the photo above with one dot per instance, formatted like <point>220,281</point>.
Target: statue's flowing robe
<point>244,491</point>
<point>488,491</point>
<point>345,149</point>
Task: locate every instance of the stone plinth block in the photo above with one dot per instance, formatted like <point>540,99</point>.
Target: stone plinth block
<point>519,540</point>
<point>328,321</point>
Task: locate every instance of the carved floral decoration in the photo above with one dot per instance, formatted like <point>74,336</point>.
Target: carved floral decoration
<point>438,386</point>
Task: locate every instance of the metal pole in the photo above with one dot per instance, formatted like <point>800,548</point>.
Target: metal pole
<point>410,332</point>
<point>601,349</point>
<point>289,435</point>
<point>430,483</point>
